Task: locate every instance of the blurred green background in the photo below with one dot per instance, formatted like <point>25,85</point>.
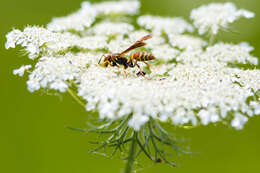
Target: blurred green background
<point>33,133</point>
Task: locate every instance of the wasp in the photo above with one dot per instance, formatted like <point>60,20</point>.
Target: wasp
<point>117,59</point>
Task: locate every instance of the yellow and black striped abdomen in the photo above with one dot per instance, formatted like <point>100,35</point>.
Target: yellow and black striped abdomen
<point>142,56</point>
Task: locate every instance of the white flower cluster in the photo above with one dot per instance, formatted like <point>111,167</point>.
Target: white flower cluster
<point>212,17</point>
<point>20,71</point>
<point>38,40</point>
<point>193,84</point>
<point>165,52</point>
<point>114,7</point>
<point>56,72</point>
<point>233,53</point>
<point>88,12</point>
<point>186,42</point>
<point>111,28</point>
<point>222,52</point>
<point>77,21</point>
<point>169,25</point>
<point>212,89</point>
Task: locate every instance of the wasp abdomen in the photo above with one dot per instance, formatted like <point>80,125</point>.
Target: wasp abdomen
<point>143,56</point>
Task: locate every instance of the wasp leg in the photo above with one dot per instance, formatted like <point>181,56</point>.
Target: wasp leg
<point>141,72</point>
<point>113,59</point>
<point>148,65</point>
<point>109,63</point>
<point>138,66</point>
<point>125,75</point>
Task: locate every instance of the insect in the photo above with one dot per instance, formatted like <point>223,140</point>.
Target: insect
<point>117,59</point>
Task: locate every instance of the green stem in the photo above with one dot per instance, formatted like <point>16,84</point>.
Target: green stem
<point>211,39</point>
<point>71,92</point>
<point>131,156</point>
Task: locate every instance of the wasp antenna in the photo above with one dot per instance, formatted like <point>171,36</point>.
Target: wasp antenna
<point>101,58</point>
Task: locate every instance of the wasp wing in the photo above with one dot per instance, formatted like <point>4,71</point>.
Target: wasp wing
<point>137,44</point>
<point>145,38</point>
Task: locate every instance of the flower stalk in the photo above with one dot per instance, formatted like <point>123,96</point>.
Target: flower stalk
<point>75,97</point>
<point>150,141</point>
<point>132,153</point>
<point>212,39</point>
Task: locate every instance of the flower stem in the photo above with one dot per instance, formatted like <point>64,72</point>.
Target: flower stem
<point>211,39</point>
<point>71,92</point>
<point>131,156</point>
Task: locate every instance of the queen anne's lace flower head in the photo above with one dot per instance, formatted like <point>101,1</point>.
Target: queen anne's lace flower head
<point>232,53</point>
<point>84,17</point>
<point>186,42</point>
<point>212,17</point>
<point>111,28</point>
<point>33,39</point>
<point>165,52</point>
<point>169,25</point>
<point>76,21</point>
<point>38,40</point>
<point>115,7</point>
<point>190,82</point>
